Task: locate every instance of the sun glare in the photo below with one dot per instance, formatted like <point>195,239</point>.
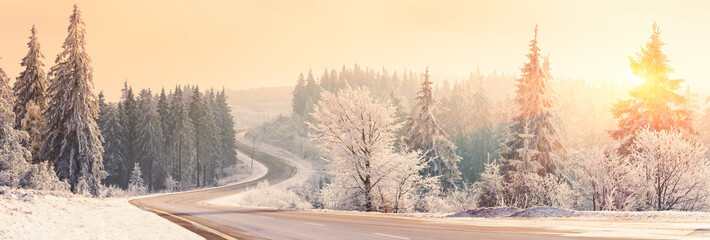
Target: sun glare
<point>634,80</point>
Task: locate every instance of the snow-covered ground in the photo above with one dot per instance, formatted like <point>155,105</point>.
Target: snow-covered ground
<point>26,214</point>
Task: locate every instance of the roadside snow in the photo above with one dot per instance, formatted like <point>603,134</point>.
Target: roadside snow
<point>27,214</point>
<point>490,212</point>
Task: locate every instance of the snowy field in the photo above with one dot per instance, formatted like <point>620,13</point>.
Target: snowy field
<point>28,214</point>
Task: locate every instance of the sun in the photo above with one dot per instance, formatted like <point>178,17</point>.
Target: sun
<point>634,80</point>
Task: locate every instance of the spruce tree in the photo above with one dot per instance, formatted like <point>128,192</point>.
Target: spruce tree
<point>129,118</point>
<point>182,149</point>
<point>14,156</point>
<point>424,133</point>
<point>112,130</point>
<point>73,140</point>
<point>197,117</point>
<point>225,128</point>
<point>657,103</point>
<point>150,139</point>
<point>534,102</point>
<point>210,140</point>
<point>136,183</point>
<point>30,96</point>
<point>300,96</point>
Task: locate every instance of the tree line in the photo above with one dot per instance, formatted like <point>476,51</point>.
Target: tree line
<point>185,134</point>
<point>57,134</point>
<point>521,154</point>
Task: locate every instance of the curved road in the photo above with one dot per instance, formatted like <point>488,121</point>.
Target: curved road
<point>222,222</point>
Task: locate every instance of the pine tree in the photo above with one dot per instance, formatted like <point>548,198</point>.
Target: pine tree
<point>210,140</point>
<point>73,140</point>
<point>300,96</point>
<point>136,183</point>
<point>112,130</point>
<point>196,113</point>
<point>14,156</point>
<point>312,93</point>
<point>150,139</point>
<point>225,128</point>
<point>129,118</point>
<point>30,95</point>
<point>657,103</point>
<point>183,151</point>
<point>534,101</point>
<point>425,133</point>
<point>103,107</point>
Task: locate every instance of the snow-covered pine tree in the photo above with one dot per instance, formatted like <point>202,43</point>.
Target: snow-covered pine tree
<point>150,140</point>
<point>424,133</point>
<point>197,117</point>
<point>225,128</point>
<point>14,157</point>
<point>312,93</point>
<point>657,103</point>
<point>163,108</point>
<point>112,130</point>
<point>300,96</point>
<point>210,143</point>
<point>103,107</point>
<point>136,184</point>
<point>534,102</point>
<point>129,119</point>
<point>183,151</point>
<point>30,96</point>
<point>73,139</point>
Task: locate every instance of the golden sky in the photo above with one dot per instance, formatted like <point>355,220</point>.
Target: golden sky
<point>245,44</point>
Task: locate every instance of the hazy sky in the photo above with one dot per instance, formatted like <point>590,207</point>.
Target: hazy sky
<point>245,44</point>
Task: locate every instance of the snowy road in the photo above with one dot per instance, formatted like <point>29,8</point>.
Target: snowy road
<point>223,222</point>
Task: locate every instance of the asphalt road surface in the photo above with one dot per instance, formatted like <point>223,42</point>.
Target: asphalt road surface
<point>221,222</point>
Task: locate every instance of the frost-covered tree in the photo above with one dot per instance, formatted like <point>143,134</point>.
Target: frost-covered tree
<point>356,134</point>
<point>492,187</point>
<point>657,103</point>
<point>30,96</point>
<point>150,139</point>
<point>136,183</point>
<point>225,130</point>
<point>197,117</point>
<point>534,101</point>
<point>182,133</point>
<point>425,133</point>
<point>300,96</point>
<point>129,120</point>
<point>14,157</point>
<point>675,170</point>
<point>607,181</point>
<point>73,140</point>
<point>112,131</point>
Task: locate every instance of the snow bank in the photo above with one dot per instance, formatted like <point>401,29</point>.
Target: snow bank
<point>27,214</point>
<point>551,212</point>
<point>543,212</point>
<point>490,212</point>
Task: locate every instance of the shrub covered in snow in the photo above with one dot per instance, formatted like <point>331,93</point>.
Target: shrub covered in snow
<point>41,176</point>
